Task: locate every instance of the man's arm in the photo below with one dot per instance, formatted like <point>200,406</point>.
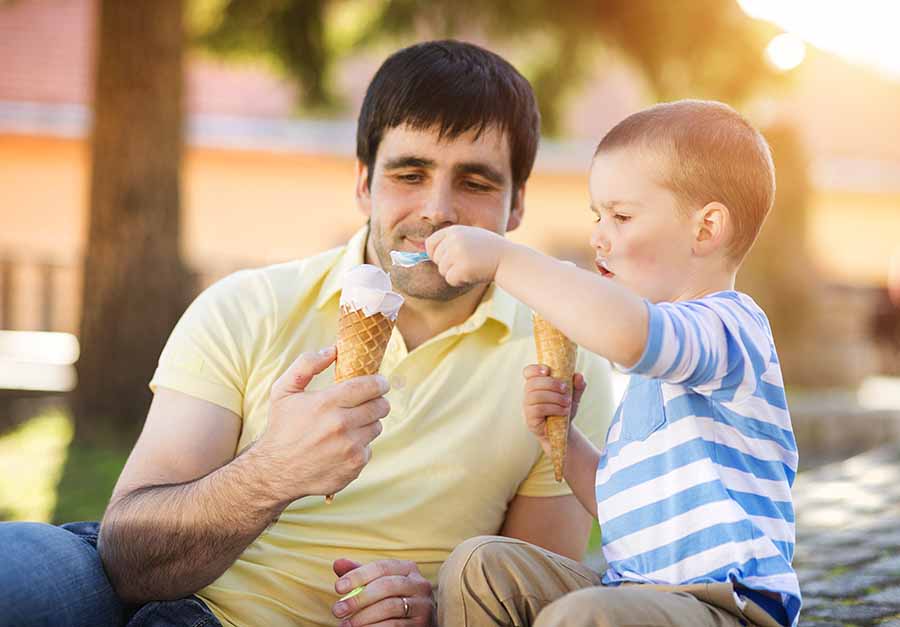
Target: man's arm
<point>181,511</point>
<point>185,508</point>
<point>556,523</point>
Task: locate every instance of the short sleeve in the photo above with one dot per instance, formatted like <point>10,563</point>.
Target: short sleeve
<point>708,344</point>
<point>593,418</point>
<point>208,354</point>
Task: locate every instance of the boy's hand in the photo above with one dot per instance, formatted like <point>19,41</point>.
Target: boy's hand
<point>546,396</point>
<point>465,254</point>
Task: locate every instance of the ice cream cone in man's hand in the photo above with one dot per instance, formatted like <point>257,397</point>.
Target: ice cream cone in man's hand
<point>369,309</point>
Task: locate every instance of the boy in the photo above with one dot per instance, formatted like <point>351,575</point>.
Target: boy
<point>692,490</point>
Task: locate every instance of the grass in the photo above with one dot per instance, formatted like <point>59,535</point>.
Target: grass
<point>44,478</point>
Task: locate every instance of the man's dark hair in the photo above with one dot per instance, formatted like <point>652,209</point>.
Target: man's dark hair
<point>454,87</point>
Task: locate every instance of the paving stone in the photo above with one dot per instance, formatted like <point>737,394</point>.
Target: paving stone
<point>888,596</point>
<point>841,556</point>
<point>853,613</point>
<point>809,575</point>
<point>843,538</point>
<point>894,622</point>
<point>851,584</point>
<point>812,602</point>
<point>816,623</point>
<point>888,539</point>
<point>886,566</point>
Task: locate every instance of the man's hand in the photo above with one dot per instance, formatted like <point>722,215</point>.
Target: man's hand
<point>318,442</point>
<point>545,396</point>
<point>395,593</point>
<point>466,254</point>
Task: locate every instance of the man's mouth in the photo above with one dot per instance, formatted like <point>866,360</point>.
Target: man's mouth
<point>603,269</point>
<point>417,244</point>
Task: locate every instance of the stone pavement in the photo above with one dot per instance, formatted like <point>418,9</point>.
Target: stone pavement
<point>848,541</point>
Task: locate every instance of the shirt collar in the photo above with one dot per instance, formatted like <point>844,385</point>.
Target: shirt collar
<point>495,305</point>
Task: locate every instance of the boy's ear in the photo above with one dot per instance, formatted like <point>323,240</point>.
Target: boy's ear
<point>517,210</point>
<point>363,195</point>
<point>712,228</point>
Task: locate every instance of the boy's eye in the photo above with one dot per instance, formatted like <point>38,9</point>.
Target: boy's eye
<point>621,218</point>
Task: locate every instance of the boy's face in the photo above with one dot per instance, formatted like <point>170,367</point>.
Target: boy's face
<point>641,239</point>
<point>421,184</point>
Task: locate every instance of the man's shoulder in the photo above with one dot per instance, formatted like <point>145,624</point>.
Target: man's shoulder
<point>279,283</point>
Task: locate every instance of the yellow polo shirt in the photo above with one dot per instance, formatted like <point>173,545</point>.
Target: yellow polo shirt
<point>454,451</point>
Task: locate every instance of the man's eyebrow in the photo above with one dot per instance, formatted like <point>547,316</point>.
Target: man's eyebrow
<point>482,169</point>
<point>408,162</point>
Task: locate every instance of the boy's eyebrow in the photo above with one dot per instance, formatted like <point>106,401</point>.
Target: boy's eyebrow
<point>408,162</point>
<point>612,205</point>
<point>481,169</point>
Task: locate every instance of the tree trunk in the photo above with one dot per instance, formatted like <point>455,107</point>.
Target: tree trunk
<point>135,285</point>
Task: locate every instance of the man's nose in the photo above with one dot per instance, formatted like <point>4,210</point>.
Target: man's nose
<point>439,207</point>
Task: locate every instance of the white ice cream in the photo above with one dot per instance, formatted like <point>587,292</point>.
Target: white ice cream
<point>368,287</point>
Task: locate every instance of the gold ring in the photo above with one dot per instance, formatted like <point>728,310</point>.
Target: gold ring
<point>405,607</point>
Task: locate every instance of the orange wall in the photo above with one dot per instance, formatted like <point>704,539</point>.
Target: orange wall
<point>246,208</point>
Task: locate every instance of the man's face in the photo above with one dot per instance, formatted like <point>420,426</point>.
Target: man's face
<point>421,184</point>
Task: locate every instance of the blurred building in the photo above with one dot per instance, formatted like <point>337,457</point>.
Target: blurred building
<point>261,186</point>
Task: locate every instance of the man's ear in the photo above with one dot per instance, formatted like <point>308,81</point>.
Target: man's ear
<point>363,194</point>
<point>713,226</point>
<point>517,210</point>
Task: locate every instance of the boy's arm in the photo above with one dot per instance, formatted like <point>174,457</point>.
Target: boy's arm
<point>603,317</point>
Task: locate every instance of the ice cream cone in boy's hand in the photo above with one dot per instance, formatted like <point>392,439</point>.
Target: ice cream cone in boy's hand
<point>369,308</point>
<point>557,352</point>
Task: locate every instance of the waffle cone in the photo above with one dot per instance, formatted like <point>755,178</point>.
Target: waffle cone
<point>361,342</point>
<point>558,353</point>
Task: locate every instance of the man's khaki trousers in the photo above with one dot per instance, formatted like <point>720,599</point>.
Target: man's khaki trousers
<point>491,580</point>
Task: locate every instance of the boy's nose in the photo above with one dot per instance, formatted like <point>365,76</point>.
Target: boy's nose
<point>599,240</point>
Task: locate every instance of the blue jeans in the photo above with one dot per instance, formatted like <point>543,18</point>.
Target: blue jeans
<point>53,576</point>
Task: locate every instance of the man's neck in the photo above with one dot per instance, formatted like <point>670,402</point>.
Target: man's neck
<point>421,319</point>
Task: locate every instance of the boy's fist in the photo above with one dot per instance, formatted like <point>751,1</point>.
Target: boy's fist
<point>465,254</point>
<point>545,396</point>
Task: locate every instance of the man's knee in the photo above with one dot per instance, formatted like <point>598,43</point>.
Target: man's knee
<point>50,575</point>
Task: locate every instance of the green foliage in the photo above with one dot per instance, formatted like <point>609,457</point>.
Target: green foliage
<point>88,479</point>
<point>702,48</point>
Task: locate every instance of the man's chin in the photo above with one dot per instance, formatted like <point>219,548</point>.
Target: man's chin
<point>426,283</point>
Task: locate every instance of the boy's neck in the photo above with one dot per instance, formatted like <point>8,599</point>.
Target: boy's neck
<point>708,283</point>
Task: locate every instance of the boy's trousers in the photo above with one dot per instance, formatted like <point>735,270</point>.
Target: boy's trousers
<point>491,580</point>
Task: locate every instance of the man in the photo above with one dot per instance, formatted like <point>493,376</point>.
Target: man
<point>222,496</point>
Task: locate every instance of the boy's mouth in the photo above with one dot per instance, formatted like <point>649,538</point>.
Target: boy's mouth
<point>602,268</point>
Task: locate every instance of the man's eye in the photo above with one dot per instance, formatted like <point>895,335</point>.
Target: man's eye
<point>475,186</point>
<point>409,178</point>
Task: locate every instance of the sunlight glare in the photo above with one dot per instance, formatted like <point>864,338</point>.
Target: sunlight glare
<point>786,51</point>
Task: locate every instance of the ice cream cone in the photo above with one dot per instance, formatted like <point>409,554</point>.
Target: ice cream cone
<point>361,342</point>
<point>557,352</point>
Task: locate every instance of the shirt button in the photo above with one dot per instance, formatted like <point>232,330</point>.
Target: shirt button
<point>398,382</point>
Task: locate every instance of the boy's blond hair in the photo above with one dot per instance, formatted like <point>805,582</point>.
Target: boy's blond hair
<point>711,154</point>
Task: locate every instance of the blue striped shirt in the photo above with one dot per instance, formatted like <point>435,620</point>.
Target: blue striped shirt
<point>694,484</point>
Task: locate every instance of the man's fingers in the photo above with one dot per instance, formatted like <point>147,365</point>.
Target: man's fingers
<point>301,372</point>
<point>358,390</point>
<point>368,413</point>
<point>342,566</point>
<point>369,572</point>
